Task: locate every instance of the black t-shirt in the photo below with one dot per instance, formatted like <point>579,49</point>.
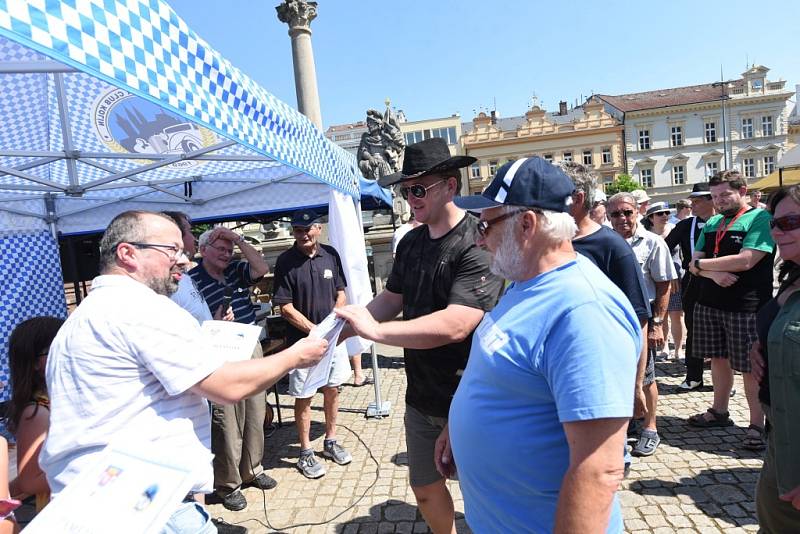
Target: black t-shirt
<point>431,274</point>
<point>310,284</point>
<point>683,237</point>
<point>614,256</point>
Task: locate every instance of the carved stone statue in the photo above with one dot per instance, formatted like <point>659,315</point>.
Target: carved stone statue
<point>381,148</point>
<point>297,13</point>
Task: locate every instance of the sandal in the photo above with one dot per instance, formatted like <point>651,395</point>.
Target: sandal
<point>754,439</point>
<point>718,419</point>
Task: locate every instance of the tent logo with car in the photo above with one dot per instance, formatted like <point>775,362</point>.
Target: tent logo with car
<point>125,122</point>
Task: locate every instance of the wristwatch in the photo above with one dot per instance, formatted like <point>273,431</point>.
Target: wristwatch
<point>697,264</point>
<point>657,320</point>
<point>240,240</point>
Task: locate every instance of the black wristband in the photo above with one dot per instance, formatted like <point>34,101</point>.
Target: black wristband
<point>697,264</point>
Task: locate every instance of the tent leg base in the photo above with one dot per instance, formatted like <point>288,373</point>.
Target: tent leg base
<point>374,411</point>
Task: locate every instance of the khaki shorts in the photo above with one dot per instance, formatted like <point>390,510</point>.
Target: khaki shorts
<point>340,372</point>
<point>421,433</point>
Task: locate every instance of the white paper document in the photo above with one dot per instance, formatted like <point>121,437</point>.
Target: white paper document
<point>329,329</point>
<point>126,491</point>
<point>234,340</point>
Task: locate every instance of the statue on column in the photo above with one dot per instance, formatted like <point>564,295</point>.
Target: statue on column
<point>382,145</point>
<point>297,13</point>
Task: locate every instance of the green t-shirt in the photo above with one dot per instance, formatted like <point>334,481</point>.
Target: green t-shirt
<point>754,287</point>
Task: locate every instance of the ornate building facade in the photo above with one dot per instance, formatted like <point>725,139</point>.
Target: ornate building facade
<point>677,137</point>
<point>586,134</point>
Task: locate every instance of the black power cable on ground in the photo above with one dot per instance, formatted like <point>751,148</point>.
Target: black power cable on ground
<point>266,523</point>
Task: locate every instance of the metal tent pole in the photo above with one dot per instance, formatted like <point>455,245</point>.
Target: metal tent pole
<point>380,408</point>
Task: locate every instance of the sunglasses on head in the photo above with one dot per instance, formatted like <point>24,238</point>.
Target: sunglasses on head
<point>786,223</point>
<point>620,213</point>
<point>417,190</point>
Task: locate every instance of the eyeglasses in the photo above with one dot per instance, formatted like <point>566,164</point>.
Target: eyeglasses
<point>418,190</point>
<point>222,250</point>
<point>620,213</point>
<point>483,226</point>
<point>173,252</point>
<point>786,223</point>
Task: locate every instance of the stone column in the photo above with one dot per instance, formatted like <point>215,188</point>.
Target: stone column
<point>298,14</point>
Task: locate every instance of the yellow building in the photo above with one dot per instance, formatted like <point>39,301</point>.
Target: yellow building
<point>585,134</point>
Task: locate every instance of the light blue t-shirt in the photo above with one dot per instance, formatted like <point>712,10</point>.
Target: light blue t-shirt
<point>557,348</point>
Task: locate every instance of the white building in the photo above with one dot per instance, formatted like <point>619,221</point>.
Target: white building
<point>677,137</point>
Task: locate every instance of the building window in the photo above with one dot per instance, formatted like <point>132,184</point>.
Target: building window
<point>606,159</point>
<point>646,177</point>
<point>492,168</point>
<point>712,168</point>
<point>747,128</point>
<point>676,136</point>
<point>644,139</point>
<point>769,164</point>
<point>749,165</point>
<point>766,126</point>
<point>548,158</point>
<point>475,170</point>
<point>587,157</point>
<point>711,132</point>
<point>568,156</point>
<point>678,175</point>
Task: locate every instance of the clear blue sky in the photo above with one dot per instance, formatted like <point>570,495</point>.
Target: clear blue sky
<point>434,58</point>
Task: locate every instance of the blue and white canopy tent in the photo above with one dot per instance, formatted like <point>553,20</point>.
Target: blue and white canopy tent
<point>112,105</point>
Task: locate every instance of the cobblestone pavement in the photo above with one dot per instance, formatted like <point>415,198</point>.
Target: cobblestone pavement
<point>698,481</point>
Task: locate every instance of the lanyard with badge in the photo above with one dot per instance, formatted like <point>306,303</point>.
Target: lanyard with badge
<point>722,229</point>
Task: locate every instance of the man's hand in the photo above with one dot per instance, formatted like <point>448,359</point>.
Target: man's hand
<point>757,361</point>
<point>655,337</point>
<point>309,351</point>
<point>639,402</point>
<point>360,321</point>
<point>443,454</point>
<point>792,497</point>
<point>228,316</point>
<point>723,279</point>
<point>220,232</point>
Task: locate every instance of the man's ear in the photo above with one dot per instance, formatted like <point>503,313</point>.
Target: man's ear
<point>125,254</point>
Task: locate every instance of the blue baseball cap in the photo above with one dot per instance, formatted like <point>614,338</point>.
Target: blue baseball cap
<point>304,218</point>
<point>529,182</point>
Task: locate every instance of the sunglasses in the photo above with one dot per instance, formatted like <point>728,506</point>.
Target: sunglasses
<point>620,213</point>
<point>418,190</point>
<point>662,213</point>
<point>786,223</point>
<point>483,226</point>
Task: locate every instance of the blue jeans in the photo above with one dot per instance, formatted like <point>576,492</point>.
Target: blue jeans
<point>189,518</point>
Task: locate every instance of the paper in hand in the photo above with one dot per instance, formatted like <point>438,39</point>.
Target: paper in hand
<point>329,329</point>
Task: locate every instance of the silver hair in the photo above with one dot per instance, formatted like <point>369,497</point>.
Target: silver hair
<point>584,180</point>
<point>623,196</point>
<point>203,239</point>
<point>554,226</point>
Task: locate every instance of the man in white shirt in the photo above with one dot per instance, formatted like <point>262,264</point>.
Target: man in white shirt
<point>130,365</point>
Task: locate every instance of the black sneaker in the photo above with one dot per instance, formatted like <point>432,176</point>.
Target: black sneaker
<point>223,527</point>
<point>234,501</point>
<point>263,482</point>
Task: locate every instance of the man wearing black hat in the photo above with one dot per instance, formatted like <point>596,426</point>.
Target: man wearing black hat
<point>551,372</point>
<point>685,235</point>
<point>309,283</point>
<point>441,282</point>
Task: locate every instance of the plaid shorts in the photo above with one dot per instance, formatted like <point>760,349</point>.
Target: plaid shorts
<point>724,334</point>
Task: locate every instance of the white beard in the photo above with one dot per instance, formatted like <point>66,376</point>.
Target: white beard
<point>507,261</point>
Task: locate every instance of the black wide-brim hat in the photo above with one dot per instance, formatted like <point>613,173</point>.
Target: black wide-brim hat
<point>430,156</point>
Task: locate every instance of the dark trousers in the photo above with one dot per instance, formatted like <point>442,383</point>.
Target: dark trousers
<point>237,440</point>
<point>694,366</point>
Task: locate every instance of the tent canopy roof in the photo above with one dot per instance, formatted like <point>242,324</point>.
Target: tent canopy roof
<point>108,106</point>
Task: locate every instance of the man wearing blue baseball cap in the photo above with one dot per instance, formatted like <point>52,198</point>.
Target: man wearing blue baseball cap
<point>551,371</point>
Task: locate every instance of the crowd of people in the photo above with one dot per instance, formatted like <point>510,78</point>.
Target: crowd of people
<point>538,307</point>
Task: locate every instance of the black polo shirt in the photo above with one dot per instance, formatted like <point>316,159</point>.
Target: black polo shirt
<point>310,284</point>
<point>431,274</point>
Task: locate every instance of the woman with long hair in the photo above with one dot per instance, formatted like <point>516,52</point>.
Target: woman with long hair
<point>29,408</point>
<point>776,359</point>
